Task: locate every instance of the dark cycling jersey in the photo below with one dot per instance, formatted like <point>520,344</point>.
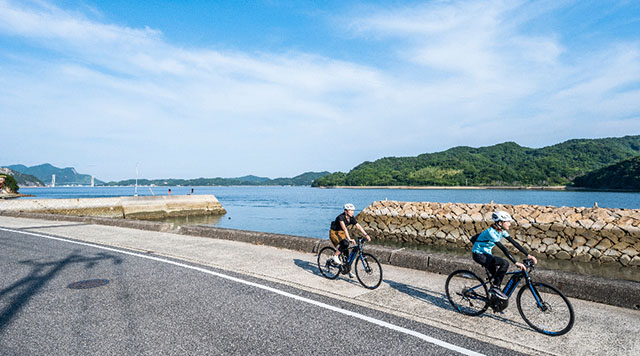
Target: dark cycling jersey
<point>335,225</point>
<point>490,238</point>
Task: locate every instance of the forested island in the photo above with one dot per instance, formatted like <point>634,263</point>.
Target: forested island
<point>505,164</point>
<point>624,175</point>
<point>303,179</point>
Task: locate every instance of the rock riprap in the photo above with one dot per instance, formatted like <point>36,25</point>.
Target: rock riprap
<point>567,233</point>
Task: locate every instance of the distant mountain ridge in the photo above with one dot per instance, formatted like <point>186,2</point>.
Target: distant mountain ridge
<point>303,179</point>
<point>505,164</point>
<point>64,176</point>
<point>41,174</point>
<point>23,180</point>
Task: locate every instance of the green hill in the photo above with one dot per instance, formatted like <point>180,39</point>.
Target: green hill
<point>8,184</point>
<point>623,175</point>
<point>252,179</point>
<point>23,180</point>
<point>64,176</point>
<point>505,164</point>
<point>302,179</point>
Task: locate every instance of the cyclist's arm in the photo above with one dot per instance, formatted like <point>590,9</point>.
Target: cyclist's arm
<point>521,249</point>
<point>346,231</point>
<point>506,252</point>
<point>517,245</point>
<point>363,232</point>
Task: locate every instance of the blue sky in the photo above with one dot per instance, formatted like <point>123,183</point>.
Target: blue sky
<point>188,89</point>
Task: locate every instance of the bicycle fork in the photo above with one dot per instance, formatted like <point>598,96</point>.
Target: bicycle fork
<point>541,304</point>
<point>536,295</point>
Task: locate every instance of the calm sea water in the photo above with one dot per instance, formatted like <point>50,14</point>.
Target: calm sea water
<point>307,211</point>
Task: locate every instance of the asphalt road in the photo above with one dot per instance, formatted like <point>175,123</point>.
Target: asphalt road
<point>156,305</point>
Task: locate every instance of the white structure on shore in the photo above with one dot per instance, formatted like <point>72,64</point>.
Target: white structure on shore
<point>53,180</point>
<point>92,181</point>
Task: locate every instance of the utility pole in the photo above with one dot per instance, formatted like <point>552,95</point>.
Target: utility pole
<point>135,189</point>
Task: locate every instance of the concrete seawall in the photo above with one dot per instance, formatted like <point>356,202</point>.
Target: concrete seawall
<point>621,293</point>
<point>147,207</point>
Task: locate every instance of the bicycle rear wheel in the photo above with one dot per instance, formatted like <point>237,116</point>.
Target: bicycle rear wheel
<point>548,311</point>
<point>327,267</point>
<point>368,271</point>
<point>467,293</point>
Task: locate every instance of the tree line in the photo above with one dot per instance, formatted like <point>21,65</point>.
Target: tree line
<point>505,164</point>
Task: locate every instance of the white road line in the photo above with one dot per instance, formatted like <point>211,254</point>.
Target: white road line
<point>270,289</point>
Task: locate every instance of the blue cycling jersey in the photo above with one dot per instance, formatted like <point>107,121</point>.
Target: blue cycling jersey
<point>487,240</point>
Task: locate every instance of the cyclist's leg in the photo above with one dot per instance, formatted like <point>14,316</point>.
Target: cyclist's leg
<point>497,266</point>
<point>343,247</point>
<point>483,260</point>
<point>336,237</point>
<point>501,267</point>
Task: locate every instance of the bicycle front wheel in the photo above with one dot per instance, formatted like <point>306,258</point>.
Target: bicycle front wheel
<point>545,309</point>
<point>368,271</point>
<point>326,266</point>
<point>467,293</point>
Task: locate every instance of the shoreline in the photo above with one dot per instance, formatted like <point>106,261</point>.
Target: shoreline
<point>407,187</point>
<point>482,187</point>
<point>456,187</point>
<point>15,195</point>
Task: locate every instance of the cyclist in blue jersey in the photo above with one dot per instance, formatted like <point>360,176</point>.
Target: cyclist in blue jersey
<point>483,246</point>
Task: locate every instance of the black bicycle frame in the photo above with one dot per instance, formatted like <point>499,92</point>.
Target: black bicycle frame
<point>354,252</point>
<point>511,286</point>
<point>513,282</point>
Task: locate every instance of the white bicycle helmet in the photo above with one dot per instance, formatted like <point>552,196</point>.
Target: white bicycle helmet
<point>501,216</point>
<point>349,206</point>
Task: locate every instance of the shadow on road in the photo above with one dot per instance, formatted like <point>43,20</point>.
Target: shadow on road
<point>41,273</point>
<point>308,267</point>
<point>438,299</point>
<point>313,269</point>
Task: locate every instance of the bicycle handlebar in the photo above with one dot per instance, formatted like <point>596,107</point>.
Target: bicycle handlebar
<point>527,262</point>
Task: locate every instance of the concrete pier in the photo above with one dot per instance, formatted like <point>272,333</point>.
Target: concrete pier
<point>147,207</point>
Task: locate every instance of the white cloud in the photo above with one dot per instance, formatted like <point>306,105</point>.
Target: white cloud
<point>477,77</point>
<point>493,69</point>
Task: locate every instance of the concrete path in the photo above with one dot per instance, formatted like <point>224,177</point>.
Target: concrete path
<point>415,295</point>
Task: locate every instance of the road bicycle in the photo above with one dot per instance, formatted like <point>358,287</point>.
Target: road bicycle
<point>543,307</point>
<point>368,269</point>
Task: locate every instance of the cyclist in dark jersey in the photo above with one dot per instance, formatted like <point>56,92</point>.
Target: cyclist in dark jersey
<point>339,234</point>
<point>482,250</point>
